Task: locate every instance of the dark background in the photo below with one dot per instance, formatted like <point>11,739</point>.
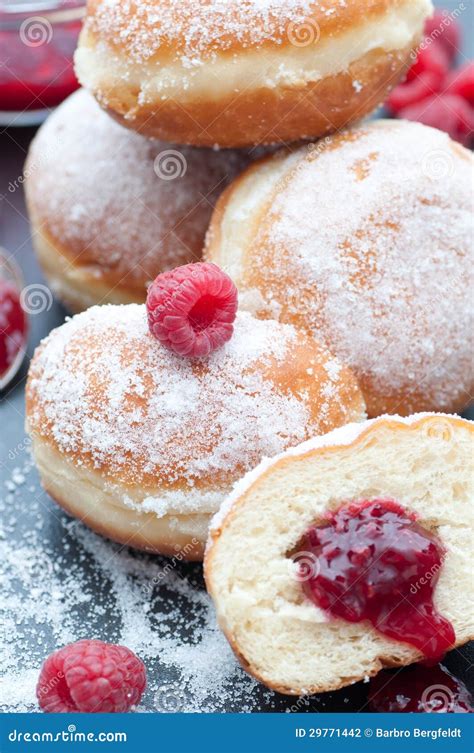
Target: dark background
<point>108,574</point>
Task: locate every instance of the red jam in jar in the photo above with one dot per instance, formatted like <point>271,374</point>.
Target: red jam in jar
<point>37,43</point>
<point>375,562</point>
<point>415,689</point>
<point>13,329</point>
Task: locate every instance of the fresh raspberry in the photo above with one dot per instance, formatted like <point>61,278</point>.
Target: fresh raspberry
<point>91,676</point>
<point>461,83</point>
<point>191,309</point>
<point>445,31</point>
<point>412,92</point>
<point>448,113</point>
<point>433,58</point>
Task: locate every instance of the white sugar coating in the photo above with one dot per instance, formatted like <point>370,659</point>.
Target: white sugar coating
<point>376,232</point>
<point>108,196</point>
<point>203,27</point>
<point>59,583</point>
<point>110,396</point>
<point>340,437</point>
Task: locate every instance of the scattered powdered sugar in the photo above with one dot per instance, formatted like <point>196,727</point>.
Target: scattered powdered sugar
<point>374,232</point>
<point>200,28</point>
<point>113,398</point>
<point>59,582</point>
<point>118,203</point>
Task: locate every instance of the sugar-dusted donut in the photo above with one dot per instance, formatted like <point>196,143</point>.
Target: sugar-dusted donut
<point>110,210</point>
<point>143,445</point>
<point>366,240</point>
<point>244,72</point>
<point>322,553</point>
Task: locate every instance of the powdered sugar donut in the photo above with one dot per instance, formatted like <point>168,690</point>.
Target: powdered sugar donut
<point>407,485</point>
<point>143,445</point>
<point>111,210</point>
<point>244,72</point>
<point>366,240</point>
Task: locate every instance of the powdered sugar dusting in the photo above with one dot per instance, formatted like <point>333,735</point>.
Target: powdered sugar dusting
<point>374,235</point>
<point>202,27</point>
<point>111,397</point>
<point>104,194</point>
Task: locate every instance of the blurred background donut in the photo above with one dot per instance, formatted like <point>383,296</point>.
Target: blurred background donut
<point>110,210</point>
<point>242,73</point>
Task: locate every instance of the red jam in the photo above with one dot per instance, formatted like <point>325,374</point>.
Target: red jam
<point>36,68</point>
<point>376,563</point>
<point>419,689</point>
<point>13,328</point>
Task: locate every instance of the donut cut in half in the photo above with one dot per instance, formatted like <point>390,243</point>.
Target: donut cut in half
<point>423,463</point>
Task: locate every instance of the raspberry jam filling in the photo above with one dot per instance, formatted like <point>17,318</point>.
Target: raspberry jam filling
<point>418,688</point>
<point>375,562</point>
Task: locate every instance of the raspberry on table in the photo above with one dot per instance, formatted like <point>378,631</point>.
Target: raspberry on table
<point>90,676</point>
<point>433,58</point>
<point>461,83</point>
<point>412,92</point>
<point>445,31</point>
<point>448,112</point>
<point>191,309</point>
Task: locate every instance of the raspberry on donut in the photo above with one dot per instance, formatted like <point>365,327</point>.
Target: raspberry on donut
<point>143,444</point>
<point>191,309</point>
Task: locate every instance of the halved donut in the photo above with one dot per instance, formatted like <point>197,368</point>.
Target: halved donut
<point>321,506</point>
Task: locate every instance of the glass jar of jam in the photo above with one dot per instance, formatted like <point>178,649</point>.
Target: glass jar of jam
<point>37,43</point>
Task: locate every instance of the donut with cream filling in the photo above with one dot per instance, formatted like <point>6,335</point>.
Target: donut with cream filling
<point>245,72</point>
